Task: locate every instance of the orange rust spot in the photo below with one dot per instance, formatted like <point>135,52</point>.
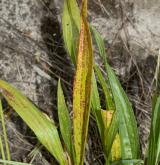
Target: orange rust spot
<point>8,94</point>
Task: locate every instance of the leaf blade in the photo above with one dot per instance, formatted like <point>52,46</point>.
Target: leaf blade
<point>154,139</point>
<point>127,122</point>
<point>71,27</point>
<point>36,120</point>
<point>64,120</point>
<point>4,132</point>
<point>106,90</point>
<point>82,90</point>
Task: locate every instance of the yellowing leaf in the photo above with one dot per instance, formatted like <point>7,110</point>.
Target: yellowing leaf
<point>107,117</point>
<point>116,147</point>
<point>82,90</point>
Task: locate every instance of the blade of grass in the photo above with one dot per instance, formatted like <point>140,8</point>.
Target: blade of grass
<point>42,126</point>
<point>36,150</point>
<point>4,132</point>
<point>82,88</point>
<point>64,121</point>
<point>2,148</point>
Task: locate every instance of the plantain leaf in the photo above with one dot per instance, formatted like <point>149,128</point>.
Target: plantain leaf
<point>64,121</point>
<point>42,126</point>
<point>71,27</point>
<point>126,119</point>
<point>82,89</point>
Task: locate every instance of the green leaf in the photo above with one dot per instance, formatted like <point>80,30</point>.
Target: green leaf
<point>154,139</point>
<point>13,162</point>
<point>126,119</point>
<point>4,132</point>
<point>99,42</point>
<point>2,149</point>
<point>41,125</point>
<point>106,90</point>
<point>127,123</point>
<point>71,27</point>
<point>96,107</point>
<point>133,161</point>
<point>64,120</point>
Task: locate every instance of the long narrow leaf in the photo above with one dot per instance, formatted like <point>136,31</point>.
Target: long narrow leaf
<point>64,120</point>
<point>154,140</point>
<point>4,132</point>
<point>106,90</point>
<point>71,27</point>
<point>2,149</point>
<point>82,90</point>
<point>127,123</point>
<point>13,162</point>
<point>133,161</point>
<point>96,108</point>
<point>42,126</point>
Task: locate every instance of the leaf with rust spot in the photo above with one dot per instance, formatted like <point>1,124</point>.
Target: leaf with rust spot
<point>82,88</point>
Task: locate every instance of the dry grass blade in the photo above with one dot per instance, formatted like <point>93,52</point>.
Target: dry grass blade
<point>82,89</point>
